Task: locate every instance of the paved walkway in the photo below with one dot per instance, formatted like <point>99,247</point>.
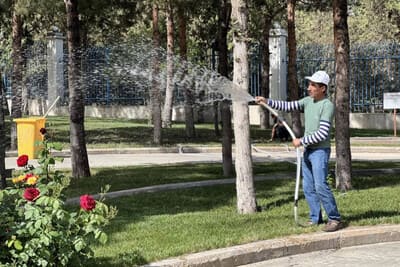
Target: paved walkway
<point>353,246</point>
<point>147,156</point>
<point>373,255</point>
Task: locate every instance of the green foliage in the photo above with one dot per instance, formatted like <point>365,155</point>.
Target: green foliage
<point>368,21</point>
<point>263,13</point>
<point>36,229</point>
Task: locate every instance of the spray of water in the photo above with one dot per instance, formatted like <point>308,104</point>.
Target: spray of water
<point>125,71</point>
<point>135,62</point>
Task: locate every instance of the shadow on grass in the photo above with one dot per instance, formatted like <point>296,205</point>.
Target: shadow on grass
<point>278,203</point>
<point>125,259</point>
<point>212,197</point>
<point>174,202</point>
<point>122,178</point>
<point>374,181</point>
<point>131,177</point>
<point>135,209</point>
<point>138,132</point>
<point>138,136</point>
<point>199,199</point>
<point>372,214</point>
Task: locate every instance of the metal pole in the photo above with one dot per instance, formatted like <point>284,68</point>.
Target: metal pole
<point>394,123</point>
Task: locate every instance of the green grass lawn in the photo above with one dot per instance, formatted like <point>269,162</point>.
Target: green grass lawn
<point>119,133</point>
<point>139,176</point>
<point>121,178</point>
<point>154,226</point>
<point>122,133</point>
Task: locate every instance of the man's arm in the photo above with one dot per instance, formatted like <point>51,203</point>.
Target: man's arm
<point>280,105</point>
<point>319,136</point>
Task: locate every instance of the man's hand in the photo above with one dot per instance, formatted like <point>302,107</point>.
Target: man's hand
<point>296,142</point>
<point>260,99</point>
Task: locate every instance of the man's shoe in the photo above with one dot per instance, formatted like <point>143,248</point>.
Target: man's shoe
<point>333,226</point>
<point>311,223</point>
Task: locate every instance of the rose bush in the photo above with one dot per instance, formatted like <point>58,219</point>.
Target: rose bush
<point>36,227</point>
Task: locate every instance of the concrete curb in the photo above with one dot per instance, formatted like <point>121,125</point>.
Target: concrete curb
<point>287,246</point>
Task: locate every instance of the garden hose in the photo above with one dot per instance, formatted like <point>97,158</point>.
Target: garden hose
<point>298,161</point>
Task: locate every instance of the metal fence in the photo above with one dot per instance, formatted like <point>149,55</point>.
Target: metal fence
<point>374,70</point>
<point>104,86</point>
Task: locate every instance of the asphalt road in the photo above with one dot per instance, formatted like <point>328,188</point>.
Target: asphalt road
<point>118,158</point>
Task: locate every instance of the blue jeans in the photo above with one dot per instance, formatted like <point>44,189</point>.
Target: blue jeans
<point>315,185</point>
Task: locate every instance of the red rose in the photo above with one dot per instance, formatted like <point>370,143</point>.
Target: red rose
<point>28,175</point>
<point>43,131</point>
<point>87,202</point>
<point>31,193</point>
<point>22,160</point>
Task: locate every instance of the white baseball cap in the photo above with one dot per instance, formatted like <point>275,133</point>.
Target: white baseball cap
<point>319,77</point>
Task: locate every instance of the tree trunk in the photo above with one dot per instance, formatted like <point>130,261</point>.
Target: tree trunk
<point>3,140</point>
<point>16,101</point>
<point>292,77</point>
<point>23,83</point>
<point>215,107</point>
<point>79,157</point>
<point>246,200</point>
<point>264,113</point>
<point>169,90</point>
<point>226,116</point>
<point>342,127</point>
<point>189,101</point>
<point>155,98</point>
<point>83,31</point>
<point>227,134</point>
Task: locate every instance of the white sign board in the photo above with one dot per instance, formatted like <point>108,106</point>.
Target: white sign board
<point>391,100</point>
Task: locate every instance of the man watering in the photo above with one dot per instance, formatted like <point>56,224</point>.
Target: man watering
<point>318,114</point>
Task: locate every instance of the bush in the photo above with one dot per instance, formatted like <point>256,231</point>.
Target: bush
<point>36,228</point>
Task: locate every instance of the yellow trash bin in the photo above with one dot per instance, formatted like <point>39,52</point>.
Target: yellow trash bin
<point>29,136</point>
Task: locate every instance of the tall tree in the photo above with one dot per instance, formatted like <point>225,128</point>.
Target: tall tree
<point>104,21</point>
<point>16,101</point>
<point>79,156</point>
<point>265,78</point>
<point>189,98</point>
<point>394,15</point>
<point>225,106</point>
<point>342,116</point>
<point>292,75</point>
<point>3,183</point>
<point>169,90</point>
<point>155,90</point>
<point>264,13</point>
<point>246,198</point>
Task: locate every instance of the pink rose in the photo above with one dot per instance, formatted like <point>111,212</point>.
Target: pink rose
<point>22,160</point>
<point>87,202</point>
<point>31,193</point>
